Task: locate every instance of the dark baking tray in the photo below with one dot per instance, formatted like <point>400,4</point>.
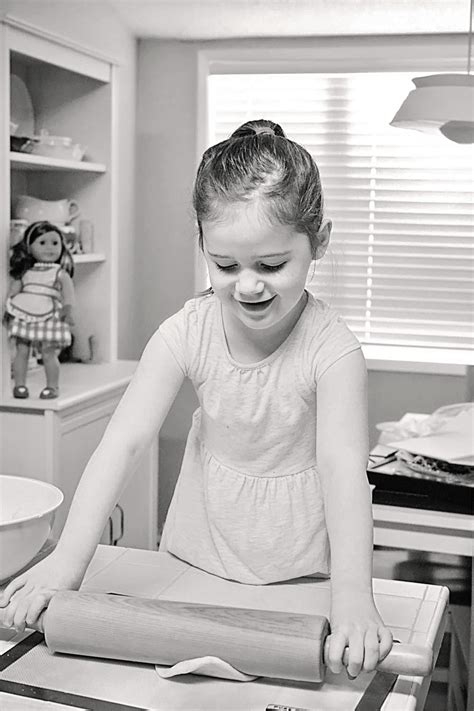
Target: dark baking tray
<point>397,485</point>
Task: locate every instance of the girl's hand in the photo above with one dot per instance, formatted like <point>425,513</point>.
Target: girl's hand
<point>356,624</point>
<point>28,595</point>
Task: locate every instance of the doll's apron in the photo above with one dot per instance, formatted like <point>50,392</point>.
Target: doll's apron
<point>34,313</point>
<point>39,297</point>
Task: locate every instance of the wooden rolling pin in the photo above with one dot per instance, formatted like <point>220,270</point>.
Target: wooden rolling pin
<point>281,645</point>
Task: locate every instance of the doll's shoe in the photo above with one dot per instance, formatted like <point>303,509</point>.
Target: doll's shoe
<point>49,393</point>
<point>21,392</point>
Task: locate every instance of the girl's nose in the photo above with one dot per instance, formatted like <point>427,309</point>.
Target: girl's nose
<point>249,284</point>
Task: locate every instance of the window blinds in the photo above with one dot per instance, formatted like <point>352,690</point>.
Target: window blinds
<point>400,265</point>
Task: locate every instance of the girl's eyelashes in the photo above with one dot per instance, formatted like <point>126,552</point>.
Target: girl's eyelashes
<point>272,267</point>
<point>263,267</point>
<point>226,268</point>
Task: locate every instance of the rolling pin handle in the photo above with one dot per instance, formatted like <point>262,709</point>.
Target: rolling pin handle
<point>408,659</point>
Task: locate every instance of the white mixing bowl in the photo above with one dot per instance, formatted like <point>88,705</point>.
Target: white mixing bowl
<point>26,515</point>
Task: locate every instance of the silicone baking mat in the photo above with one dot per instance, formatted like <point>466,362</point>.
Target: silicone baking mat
<point>99,685</point>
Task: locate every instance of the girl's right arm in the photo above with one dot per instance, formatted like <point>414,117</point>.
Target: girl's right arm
<point>136,421</point>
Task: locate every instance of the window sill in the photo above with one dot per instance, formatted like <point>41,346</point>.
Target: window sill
<point>406,359</point>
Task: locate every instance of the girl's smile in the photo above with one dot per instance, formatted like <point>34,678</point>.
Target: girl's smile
<point>257,307</point>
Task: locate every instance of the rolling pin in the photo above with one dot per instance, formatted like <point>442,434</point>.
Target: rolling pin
<point>281,645</point>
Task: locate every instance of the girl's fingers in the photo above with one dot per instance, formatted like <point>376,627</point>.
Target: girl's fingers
<point>358,650</point>
<point>13,611</point>
<point>336,644</point>
<point>356,654</point>
<point>385,642</point>
<point>37,605</point>
<point>20,614</point>
<point>10,611</point>
<point>371,649</point>
<point>10,590</point>
<point>9,614</point>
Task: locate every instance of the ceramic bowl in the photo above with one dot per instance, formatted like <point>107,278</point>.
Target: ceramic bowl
<point>58,147</point>
<point>27,509</point>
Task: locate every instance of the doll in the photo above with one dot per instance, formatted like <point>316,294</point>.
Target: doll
<point>40,303</point>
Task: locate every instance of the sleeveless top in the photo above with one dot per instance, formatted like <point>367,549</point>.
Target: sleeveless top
<point>248,504</point>
<point>39,297</point>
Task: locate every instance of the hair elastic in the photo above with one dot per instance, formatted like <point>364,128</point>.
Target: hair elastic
<point>264,129</point>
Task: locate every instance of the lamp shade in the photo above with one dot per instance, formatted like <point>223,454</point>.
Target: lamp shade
<point>440,103</point>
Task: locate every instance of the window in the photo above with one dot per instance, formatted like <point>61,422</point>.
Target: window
<point>400,267</point>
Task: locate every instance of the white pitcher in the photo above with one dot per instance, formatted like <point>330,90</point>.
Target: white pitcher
<point>27,207</point>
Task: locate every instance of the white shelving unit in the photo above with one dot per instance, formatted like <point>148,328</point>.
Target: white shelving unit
<point>27,161</point>
<point>73,93</point>
<point>90,258</point>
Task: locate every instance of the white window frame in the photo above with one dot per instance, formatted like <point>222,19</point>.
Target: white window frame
<point>414,53</point>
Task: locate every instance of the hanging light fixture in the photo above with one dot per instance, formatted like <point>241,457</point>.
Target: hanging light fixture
<point>442,103</point>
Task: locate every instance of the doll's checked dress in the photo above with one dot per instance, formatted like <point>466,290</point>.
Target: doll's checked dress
<point>34,313</point>
<point>248,504</point>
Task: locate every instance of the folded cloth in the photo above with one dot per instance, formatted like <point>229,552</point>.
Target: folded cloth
<point>457,417</point>
<point>207,666</point>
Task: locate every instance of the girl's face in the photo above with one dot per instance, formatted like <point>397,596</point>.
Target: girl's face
<point>257,269</point>
<point>47,247</point>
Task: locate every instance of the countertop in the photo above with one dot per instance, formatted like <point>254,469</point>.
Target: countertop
<point>79,382</point>
<point>415,613</point>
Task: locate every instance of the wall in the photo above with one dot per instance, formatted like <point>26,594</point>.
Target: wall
<point>391,394</point>
<point>94,25</point>
<point>166,150</point>
<point>166,156</point>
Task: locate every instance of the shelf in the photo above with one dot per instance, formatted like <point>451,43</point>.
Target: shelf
<point>27,161</point>
<point>78,383</point>
<point>91,258</point>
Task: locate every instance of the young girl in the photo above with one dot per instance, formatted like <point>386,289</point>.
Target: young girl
<point>273,482</point>
<point>40,302</point>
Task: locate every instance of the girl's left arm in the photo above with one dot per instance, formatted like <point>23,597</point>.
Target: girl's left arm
<point>67,290</point>
<point>342,455</point>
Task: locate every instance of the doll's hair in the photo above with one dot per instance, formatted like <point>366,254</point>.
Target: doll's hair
<point>259,161</point>
<point>21,258</point>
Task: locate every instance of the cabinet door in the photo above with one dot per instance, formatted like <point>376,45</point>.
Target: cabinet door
<point>25,445</point>
<point>134,522</point>
<point>80,435</point>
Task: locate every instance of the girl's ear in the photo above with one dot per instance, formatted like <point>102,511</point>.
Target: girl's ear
<point>323,237</point>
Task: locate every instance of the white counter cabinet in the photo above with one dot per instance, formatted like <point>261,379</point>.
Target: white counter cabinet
<point>53,442</point>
